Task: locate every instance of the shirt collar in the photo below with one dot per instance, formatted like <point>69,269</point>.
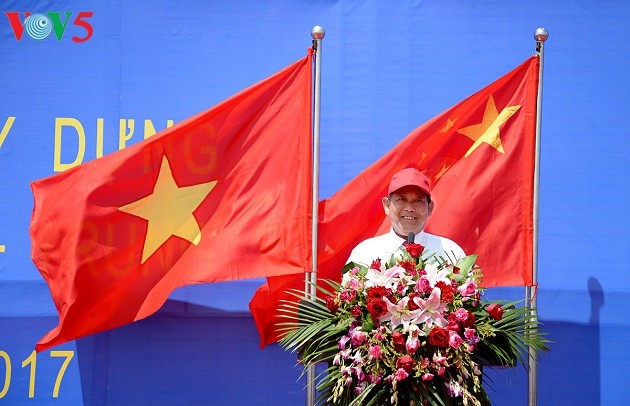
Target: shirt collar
<point>399,240</point>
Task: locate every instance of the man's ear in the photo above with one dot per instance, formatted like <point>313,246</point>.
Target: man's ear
<point>431,207</point>
<point>386,205</point>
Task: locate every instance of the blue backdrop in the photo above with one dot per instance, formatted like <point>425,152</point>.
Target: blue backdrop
<point>118,71</point>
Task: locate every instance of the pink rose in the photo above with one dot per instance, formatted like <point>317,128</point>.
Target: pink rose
<point>348,295</point>
<point>464,317</point>
<point>427,377</point>
<point>357,336</point>
<point>375,352</point>
<point>401,375</point>
<point>412,345</point>
<point>423,286</point>
<point>469,333</point>
<point>455,340</point>
<point>468,289</point>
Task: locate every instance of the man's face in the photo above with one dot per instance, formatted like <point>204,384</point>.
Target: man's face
<point>408,209</point>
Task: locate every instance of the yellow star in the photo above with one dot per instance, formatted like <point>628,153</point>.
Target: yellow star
<point>449,124</point>
<point>422,156</point>
<point>441,173</point>
<point>169,210</point>
<point>488,130</point>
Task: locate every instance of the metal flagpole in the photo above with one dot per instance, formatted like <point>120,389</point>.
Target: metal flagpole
<point>540,36</point>
<point>317,33</point>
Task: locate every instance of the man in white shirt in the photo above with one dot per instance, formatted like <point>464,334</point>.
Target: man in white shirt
<point>408,207</point>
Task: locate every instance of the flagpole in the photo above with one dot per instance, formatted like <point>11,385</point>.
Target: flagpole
<point>317,33</point>
<point>540,36</point>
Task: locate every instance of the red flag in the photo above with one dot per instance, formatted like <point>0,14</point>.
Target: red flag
<point>479,155</point>
<point>203,201</point>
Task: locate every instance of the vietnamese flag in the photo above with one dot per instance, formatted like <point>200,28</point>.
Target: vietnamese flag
<point>223,195</point>
<point>479,155</point>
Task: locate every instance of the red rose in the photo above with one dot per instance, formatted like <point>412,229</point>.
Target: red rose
<point>495,311</point>
<point>453,326</point>
<point>377,307</point>
<point>451,318</point>
<point>398,340</point>
<point>411,305</point>
<point>376,292</point>
<point>469,320</point>
<point>332,303</point>
<point>376,264</point>
<point>405,362</point>
<point>414,249</point>
<point>439,337</point>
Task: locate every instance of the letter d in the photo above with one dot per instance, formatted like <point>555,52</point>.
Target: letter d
<point>69,122</point>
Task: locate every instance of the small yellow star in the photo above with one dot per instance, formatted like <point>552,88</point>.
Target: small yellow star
<point>169,210</point>
<point>449,124</point>
<point>422,157</point>
<point>441,173</point>
<point>488,130</point>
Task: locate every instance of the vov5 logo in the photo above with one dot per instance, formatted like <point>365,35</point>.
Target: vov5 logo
<point>39,26</point>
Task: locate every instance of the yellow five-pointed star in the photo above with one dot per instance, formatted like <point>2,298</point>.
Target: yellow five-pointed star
<point>441,172</point>
<point>488,130</point>
<point>449,124</point>
<point>169,210</point>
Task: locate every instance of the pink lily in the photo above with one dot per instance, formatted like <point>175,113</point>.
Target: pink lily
<point>388,277</point>
<point>431,310</point>
<point>399,313</point>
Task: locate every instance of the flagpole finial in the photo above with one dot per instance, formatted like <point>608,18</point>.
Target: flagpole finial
<point>318,32</point>
<point>541,34</point>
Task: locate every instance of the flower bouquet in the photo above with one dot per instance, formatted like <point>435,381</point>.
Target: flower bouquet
<point>410,331</point>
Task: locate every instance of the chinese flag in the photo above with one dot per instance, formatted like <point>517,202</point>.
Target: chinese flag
<point>223,195</point>
<point>480,157</point>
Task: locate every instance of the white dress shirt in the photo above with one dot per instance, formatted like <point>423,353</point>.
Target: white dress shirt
<point>383,246</point>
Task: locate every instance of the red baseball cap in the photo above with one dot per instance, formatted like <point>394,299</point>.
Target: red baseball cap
<point>409,177</point>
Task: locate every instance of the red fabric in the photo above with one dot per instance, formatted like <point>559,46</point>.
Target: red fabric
<point>255,221</point>
<point>483,201</point>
